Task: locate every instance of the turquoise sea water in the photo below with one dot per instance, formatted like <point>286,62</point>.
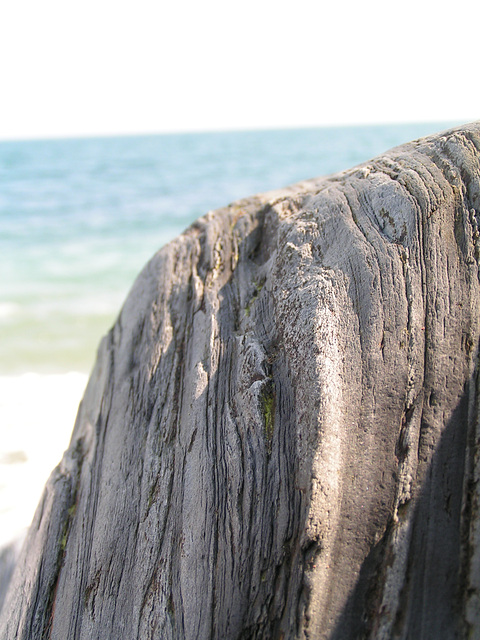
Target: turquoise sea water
<point>79,218</point>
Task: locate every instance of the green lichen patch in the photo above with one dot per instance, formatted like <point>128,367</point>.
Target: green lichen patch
<point>67,525</point>
<point>151,497</point>
<point>267,405</point>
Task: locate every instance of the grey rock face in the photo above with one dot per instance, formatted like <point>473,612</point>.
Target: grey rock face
<point>280,435</point>
<point>8,559</point>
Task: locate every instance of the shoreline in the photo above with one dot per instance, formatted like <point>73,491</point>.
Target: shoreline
<point>37,415</point>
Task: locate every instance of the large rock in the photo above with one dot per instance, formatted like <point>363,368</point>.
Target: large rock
<point>280,436</point>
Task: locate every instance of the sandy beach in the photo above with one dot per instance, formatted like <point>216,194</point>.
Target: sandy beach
<point>37,414</point>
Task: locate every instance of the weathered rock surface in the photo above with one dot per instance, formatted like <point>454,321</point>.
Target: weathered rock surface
<point>280,436</point>
<point>8,558</point>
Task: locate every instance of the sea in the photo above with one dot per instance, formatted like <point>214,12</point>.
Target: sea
<point>78,220</point>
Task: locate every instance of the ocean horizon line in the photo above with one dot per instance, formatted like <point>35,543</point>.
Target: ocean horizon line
<point>212,131</point>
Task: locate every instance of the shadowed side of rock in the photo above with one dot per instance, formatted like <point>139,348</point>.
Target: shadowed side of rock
<point>279,436</point>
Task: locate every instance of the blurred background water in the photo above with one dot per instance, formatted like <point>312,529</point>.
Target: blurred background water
<point>78,220</point>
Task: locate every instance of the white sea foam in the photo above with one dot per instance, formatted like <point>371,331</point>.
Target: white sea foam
<point>37,413</point>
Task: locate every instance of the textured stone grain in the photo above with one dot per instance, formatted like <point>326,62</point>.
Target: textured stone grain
<point>280,435</point>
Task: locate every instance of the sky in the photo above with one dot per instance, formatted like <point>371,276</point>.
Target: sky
<point>105,67</point>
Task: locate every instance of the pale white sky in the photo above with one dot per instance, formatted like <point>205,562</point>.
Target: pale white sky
<point>70,68</point>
